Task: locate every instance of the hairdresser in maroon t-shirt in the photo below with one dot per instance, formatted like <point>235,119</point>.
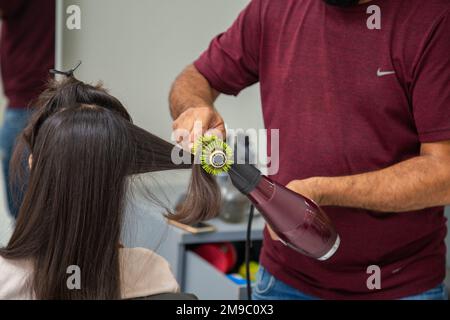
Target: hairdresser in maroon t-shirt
<point>364,120</point>
<point>27,52</point>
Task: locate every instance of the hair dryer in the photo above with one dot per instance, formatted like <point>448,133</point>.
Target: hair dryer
<point>299,223</point>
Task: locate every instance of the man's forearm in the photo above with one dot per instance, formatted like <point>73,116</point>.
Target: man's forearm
<point>414,184</point>
<point>190,90</point>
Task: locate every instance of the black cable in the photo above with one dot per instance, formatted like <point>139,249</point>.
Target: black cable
<point>248,246</point>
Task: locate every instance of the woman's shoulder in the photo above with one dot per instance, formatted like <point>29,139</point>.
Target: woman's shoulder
<point>14,279</point>
<point>145,273</point>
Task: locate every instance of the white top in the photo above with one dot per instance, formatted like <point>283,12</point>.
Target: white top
<point>143,273</point>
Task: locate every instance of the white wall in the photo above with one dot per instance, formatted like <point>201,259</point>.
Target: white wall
<point>138,47</point>
<point>2,100</point>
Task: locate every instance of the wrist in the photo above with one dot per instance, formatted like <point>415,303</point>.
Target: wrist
<point>321,186</point>
<point>311,188</point>
<point>181,109</point>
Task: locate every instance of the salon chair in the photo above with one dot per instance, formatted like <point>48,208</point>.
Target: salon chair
<point>169,296</point>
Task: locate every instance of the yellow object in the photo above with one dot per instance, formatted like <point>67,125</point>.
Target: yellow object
<point>215,155</point>
<point>254,266</point>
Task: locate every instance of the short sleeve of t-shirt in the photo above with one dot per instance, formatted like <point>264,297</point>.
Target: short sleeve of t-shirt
<point>230,64</point>
<point>431,87</point>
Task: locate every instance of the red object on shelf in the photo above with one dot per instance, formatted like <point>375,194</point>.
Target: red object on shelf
<point>222,256</point>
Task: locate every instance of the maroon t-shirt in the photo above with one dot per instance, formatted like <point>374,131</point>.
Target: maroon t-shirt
<point>27,48</point>
<point>347,100</point>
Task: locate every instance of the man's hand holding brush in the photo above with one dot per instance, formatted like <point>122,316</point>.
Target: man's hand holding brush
<point>193,109</point>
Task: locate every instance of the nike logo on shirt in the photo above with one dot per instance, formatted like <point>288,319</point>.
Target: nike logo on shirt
<point>384,73</point>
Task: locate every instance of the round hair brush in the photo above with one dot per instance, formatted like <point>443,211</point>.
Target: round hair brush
<point>216,156</point>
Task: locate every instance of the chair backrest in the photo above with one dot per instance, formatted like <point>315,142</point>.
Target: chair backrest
<point>169,296</point>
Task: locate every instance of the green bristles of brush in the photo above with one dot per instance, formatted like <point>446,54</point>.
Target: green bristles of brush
<point>216,156</point>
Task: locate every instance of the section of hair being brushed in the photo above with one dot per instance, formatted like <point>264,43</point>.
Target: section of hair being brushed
<point>84,149</point>
<point>203,198</point>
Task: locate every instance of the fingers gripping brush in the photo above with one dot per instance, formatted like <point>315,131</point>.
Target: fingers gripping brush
<point>299,223</point>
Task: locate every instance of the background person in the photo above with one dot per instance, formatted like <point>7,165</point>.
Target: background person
<point>27,52</point>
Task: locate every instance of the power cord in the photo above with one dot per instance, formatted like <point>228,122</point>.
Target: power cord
<point>248,247</point>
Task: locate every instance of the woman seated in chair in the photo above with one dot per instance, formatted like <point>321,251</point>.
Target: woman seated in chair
<point>83,152</point>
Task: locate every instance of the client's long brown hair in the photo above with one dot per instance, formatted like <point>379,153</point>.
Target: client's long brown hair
<point>84,147</point>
